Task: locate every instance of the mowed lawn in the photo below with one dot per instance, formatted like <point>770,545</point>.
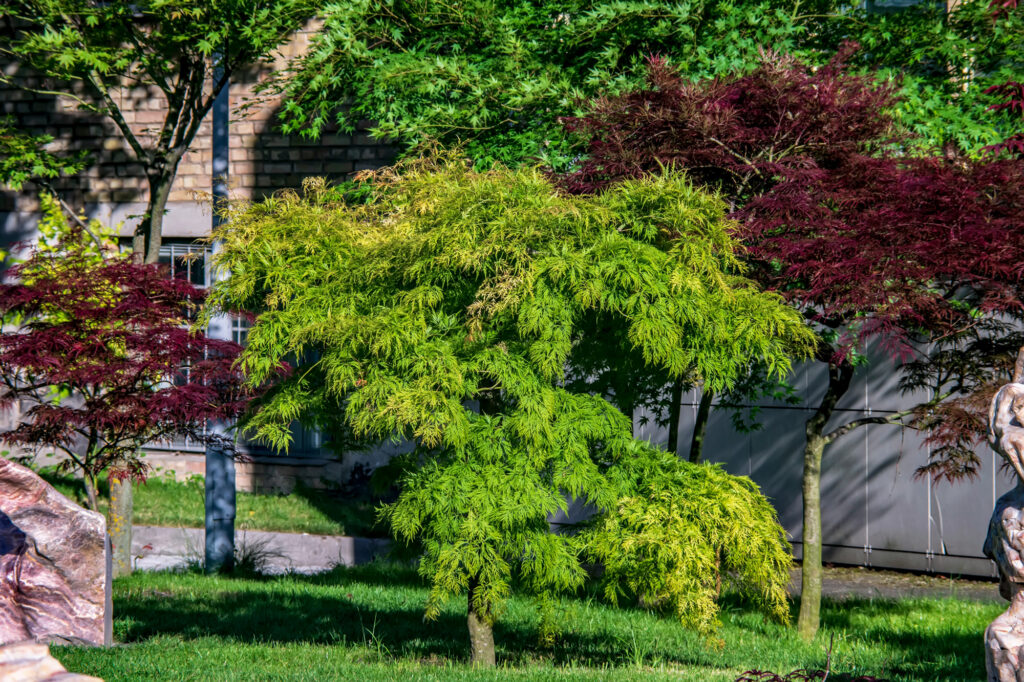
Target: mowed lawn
<point>366,623</point>
<point>161,501</point>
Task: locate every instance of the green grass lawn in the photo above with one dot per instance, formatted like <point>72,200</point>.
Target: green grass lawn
<point>367,623</point>
<point>161,501</point>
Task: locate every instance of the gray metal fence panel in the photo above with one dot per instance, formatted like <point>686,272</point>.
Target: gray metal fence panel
<point>875,511</point>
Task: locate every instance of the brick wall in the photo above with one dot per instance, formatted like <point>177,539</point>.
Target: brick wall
<point>262,159</point>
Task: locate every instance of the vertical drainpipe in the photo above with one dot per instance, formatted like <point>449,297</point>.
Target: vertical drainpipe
<point>220,465</point>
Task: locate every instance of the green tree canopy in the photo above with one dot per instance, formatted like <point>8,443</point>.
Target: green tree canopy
<point>945,62</point>
<point>497,74</point>
<point>449,310</point>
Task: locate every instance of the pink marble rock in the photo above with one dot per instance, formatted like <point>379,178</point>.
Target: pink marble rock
<point>29,662</point>
<point>54,583</point>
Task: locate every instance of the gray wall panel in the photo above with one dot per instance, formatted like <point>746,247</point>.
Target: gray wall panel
<point>776,455</point>
<point>843,495</point>
<point>871,499</point>
<point>897,504</point>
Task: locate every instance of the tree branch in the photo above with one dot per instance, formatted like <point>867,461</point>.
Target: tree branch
<point>85,104</point>
<point>114,112</point>
<point>71,213</point>
<point>895,418</point>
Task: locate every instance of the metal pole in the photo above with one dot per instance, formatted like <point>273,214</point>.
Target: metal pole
<point>220,466</point>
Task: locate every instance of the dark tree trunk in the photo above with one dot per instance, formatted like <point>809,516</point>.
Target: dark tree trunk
<point>839,378</point>
<point>92,500</point>
<point>148,234</point>
<point>481,622</point>
<point>811,573</point>
<point>700,425</point>
<point>674,409</point>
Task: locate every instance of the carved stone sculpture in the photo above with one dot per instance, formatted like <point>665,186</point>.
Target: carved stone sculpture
<point>1006,425</point>
<point>1004,637</point>
<point>28,662</point>
<point>1004,544</point>
<point>54,584</point>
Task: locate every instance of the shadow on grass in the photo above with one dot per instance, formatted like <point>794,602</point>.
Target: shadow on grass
<point>939,639</point>
<point>380,606</point>
<point>297,609</point>
<point>355,513</point>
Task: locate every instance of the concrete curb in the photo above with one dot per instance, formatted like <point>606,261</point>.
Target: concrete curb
<point>156,548</point>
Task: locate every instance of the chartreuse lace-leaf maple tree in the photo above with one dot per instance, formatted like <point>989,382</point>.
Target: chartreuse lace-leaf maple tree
<point>447,310</point>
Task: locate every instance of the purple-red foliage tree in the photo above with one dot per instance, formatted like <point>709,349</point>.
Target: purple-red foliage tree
<point>99,354</point>
<point>915,252</point>
<point>737,135</point>
<point>865,242</point>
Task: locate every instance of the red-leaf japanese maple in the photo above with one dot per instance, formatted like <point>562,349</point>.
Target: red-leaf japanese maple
<point>864,241</point>
<point>99,354</point>
<point>738,135</point>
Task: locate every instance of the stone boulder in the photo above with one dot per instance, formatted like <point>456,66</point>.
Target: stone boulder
<point>54,564</point>
<point>28,662</point>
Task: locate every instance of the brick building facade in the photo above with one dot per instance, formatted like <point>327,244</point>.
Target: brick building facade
<point>263,160</point>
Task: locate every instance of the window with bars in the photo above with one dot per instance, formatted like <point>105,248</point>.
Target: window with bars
<point>240,329</point>
<point>191,262</point>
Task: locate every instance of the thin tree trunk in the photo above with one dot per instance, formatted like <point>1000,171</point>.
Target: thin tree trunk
<point>629,409</point>
<point>674,409</point>
<point>811,572</point>
<point>146,242</point>
<point>481,632</point>
<point>481,622</point>
<point>119,525</point>
<point>839,378</point>
<point>90,492</point>
<point>148,234</point>
<point>700,425</point>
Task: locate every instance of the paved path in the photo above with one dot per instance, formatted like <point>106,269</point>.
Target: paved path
<point>843,582</point>
<point>165,548</point>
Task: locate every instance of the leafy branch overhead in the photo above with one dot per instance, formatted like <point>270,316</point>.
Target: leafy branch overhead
<point>495,75</point>
<point>952,61</point>
<point>25,157</point>
<point>91,52</point>
<point>450,308</point>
